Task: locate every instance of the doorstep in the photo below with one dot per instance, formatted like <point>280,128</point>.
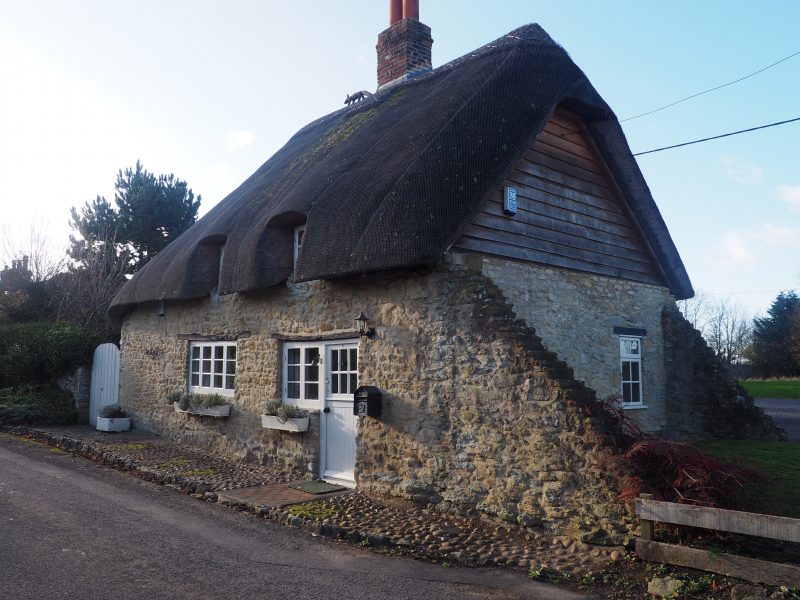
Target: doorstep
<point>274,495</point>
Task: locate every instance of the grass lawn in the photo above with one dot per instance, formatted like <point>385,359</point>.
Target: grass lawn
<point>772,388</point>
<point>780,461</point>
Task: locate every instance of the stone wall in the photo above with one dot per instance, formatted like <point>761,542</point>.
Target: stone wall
<point>575,314</point>
<point>478,415</point>
<point>154,357</point>
<point>702,399</point>
<point>79,382</point>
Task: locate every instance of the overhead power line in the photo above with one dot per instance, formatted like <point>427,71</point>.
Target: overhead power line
<point>719,87</point>
<point>742,292</point>
<point>716,137</point>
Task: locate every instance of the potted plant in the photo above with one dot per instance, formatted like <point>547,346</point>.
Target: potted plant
<point>285,417</point>
<point>207,405</point>
<point>111,417</point>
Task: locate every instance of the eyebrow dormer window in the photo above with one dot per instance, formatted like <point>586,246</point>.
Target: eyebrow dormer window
<point>298,241</point>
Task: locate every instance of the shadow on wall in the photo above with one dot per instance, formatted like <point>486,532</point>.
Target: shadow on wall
<point>492,423</point>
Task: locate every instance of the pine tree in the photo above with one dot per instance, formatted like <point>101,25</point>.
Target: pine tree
<point>150,211</point>
<point>773,336</point>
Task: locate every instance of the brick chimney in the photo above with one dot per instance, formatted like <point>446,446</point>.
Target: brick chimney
<point>404,50</point>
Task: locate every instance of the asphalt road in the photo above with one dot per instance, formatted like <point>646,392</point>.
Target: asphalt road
<point>785,412</point>
<point>72,529</point>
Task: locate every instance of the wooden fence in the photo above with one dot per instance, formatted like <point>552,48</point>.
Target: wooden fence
<point>651,511</point>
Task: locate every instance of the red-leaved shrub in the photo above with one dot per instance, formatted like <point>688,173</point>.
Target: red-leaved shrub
<point>679,472</point>
<point>671,471</point>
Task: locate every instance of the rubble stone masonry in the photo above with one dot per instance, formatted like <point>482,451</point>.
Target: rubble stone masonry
<point>575,315</point>
<point>478,415</point>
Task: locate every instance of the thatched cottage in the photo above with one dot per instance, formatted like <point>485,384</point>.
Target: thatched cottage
<point>488,220</point>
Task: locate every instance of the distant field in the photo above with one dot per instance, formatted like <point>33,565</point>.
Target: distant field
<point>772,388</point>
<point>778,460</point>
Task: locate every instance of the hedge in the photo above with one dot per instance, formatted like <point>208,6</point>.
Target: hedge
<point>33,353</point>
<point>45,404</point>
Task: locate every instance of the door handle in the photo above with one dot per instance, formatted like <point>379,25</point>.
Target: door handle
<point>326,410</point>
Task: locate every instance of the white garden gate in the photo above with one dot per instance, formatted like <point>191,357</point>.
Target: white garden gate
<point>105,379</point>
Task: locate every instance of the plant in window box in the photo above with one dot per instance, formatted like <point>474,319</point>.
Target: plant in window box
<point>285,417</point>
<point>207,405</point>
<point>112,418</point>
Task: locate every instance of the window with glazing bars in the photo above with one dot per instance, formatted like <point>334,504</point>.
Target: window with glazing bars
<point>630,351</point>
<point>212,368</point>
<point>301,373</point>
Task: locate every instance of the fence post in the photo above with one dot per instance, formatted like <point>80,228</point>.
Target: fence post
<point>646,525</point>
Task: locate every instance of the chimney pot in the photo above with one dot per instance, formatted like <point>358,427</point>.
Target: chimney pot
<point>395,11</point>
<point>411,9</point>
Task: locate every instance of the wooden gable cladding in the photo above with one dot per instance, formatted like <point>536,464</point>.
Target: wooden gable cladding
<point>570,212</point>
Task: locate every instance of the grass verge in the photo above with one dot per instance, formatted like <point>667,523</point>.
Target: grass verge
<point>772,388</point>
<point>778,460</point>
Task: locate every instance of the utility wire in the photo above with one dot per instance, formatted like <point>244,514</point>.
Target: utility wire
<point>719,87</point>
<point>741,292</point>
<point>716,137</point>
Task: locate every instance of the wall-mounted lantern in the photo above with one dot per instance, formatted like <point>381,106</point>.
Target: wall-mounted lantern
<point>161,309</point>
<point>364,330</point>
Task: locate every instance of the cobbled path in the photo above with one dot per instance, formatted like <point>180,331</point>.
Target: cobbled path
<point>393,526</point>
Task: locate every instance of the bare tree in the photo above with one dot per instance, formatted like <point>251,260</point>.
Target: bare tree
<point>696,310</point>
<point>26,293</point>
<point>729,330</point>
<point>89,285</point>
<point>42,261</point>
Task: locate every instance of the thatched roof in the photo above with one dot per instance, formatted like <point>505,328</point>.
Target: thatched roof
<point>392,181</point>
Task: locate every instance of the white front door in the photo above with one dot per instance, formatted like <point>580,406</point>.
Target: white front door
<point>338,436</point>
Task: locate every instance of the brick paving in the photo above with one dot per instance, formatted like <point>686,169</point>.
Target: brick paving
<point>348,516</point>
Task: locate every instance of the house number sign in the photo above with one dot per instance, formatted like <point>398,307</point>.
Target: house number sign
<point>510,200</point>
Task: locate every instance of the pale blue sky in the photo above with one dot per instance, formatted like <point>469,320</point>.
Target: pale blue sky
<point>209,90</point>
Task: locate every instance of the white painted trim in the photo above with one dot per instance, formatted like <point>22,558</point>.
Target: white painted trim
<point>312,404</point>
<point>342,480</point>
<point>201,389</point>
<point>324,346</point>
<point>346,479</point>
<point>633,358</point>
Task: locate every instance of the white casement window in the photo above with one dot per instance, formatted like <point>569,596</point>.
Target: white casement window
<point>313,371</point>
<point>630,353</point>
<point>298,241</point>
<point>212,368</point>
<point>302,375</point>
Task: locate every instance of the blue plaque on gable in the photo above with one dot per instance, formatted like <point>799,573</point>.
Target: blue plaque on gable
<point>510,200</point>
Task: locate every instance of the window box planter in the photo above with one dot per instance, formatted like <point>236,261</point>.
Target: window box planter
<point>116,424</point>
<point>296,425</point>
<point>213,411</point>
